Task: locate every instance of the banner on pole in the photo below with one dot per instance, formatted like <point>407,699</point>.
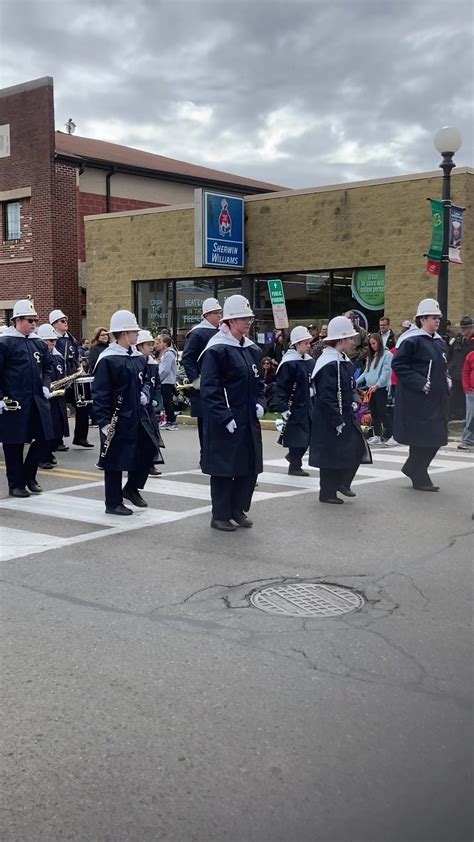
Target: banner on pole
<point>435,251</point>
<point>456,225</point>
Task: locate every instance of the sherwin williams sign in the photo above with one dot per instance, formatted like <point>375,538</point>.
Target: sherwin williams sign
<point>368,288</point>
<point>218,230</point>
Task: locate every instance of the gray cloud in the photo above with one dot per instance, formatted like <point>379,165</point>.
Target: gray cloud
<point>300,93</point>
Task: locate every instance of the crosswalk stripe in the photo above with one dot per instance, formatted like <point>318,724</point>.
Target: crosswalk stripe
<point>18,542</point>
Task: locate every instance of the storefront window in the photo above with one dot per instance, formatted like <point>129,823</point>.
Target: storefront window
<point>228,286</point>
<point>153,303</point>
<point>190,295</point>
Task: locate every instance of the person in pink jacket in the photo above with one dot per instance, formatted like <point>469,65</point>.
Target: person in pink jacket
<point>468,388</point>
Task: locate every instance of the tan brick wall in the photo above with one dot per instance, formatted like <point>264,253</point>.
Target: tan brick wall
<point>378,224</point>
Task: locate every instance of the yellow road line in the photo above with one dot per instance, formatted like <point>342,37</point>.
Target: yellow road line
<point>69,473</point>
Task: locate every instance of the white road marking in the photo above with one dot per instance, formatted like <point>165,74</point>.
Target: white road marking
<point>15,543</point>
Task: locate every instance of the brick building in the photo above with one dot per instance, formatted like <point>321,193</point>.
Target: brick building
<point>50,180</point>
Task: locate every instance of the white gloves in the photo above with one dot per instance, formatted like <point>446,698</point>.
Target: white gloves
<point>259,411</point>
<point>143,399</point>
<point>449,382</point>
<point>312,392</point>
<point>105,429</point>
<point>285,415</point>
<point>2,406</point>
<point>340,428</point>
<point>47,394</point>
<point>231,426</point>
<point>196,384</point>
<point>154,403</point>
<point>354,406</point>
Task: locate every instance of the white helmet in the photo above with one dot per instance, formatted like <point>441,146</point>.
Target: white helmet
<point>55,315</point>
<point>123,320</point>
<point>339,328</point>
<point>428,307</point>
<point>24,307</point>
<point>236,307</point>
<point>144,336</point>
<point>299,334</point>
<point>210,305</point>
<point>46,332</point>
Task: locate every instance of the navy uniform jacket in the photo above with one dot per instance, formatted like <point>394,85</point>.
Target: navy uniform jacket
<point>231,387</point>
<point>292,386</point>
<point>68,347</point>
<point>58,405</point>
<point>196,341</point>
<point>420,419</point>
<point>25,367</point>
<point>118,373</point>
<point>327,449</point>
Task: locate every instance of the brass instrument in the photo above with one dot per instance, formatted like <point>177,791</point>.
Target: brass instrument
<point>58,387</point>
<point>11,405</point>
<point>182,387</point>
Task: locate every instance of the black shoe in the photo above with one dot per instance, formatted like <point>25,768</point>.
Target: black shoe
<point>154,472</point>
<point>81,443</point>
<point>297,472</point>
<point>19,492</point>
<point>426,487</point>
<point>242,520</point>
<point>287,457</point>
<point>118,510</point>
<point>335,500</point>
<point>46,466</point>
<point>223,525</point>
<point>135,497</point>
<point>34,487</point>
<point>346,491</point>
<point>62,448</point>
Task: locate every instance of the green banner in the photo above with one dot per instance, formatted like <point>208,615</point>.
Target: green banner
<point>368,288</point>
<point>436,248</point>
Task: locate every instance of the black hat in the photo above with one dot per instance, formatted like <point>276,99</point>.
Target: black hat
<point>466,321</point>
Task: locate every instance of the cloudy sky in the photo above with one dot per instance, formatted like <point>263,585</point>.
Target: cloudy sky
<point>299,93</point>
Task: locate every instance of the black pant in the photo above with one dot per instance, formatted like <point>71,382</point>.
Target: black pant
<point>417,464</point>
<point>19,470</point>
<point>378,410</point>
<point>167,391</point>
<point>200,426</point>
<point>137,478</point>
<point>295,457</point>
<point>330,479</point>
<point>231,495</point>
<point>81,428</point>
<point>457,401</point>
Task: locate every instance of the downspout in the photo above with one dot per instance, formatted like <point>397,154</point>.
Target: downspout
<point>108,198</point>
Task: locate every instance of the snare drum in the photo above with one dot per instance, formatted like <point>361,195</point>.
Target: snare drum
<point>83,391</point>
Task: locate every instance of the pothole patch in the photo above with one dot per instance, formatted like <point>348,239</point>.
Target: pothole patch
<point>306,599</point>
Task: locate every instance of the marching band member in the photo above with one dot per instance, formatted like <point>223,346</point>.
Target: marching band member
<point>293,397</point>
<point>232,403</point>
<point>128,440</point>
<point>337,445</point>
<point>145,343</point>
<point>421,409</point>
<point>69,348</point>
<point>25,376</point>
<point>196,341</point>
<point>57,404</point>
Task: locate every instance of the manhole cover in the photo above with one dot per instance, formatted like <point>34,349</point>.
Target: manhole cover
<point>306,599</point>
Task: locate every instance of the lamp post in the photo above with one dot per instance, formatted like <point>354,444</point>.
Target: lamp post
<point>447,141</point>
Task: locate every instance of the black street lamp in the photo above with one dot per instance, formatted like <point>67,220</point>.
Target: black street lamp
<point>447,141</point>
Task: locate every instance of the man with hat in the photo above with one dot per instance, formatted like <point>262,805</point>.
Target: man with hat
<point>68,347</point>
<point>293,398</point>
<point>337,445</point>
<point>458,349</point>
<point>121,394</point>
<point>26,372</point>
<point>232,403</point>
<point>421,406</point>
<point>196,341</point>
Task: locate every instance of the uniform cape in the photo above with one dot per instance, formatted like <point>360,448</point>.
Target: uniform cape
<point>292,354</point>
<point>292,388</point>
<point>415,331</point>
<point>114,349</point>
<point>221,338</point>
<point>329,355</point>
<point>25,383</point>
<point>204,324</point>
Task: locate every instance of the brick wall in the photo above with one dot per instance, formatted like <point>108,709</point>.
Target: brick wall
<point>29,110</point>
<point>384,224</point>
<point>14,249</point>
<point>66,293</point>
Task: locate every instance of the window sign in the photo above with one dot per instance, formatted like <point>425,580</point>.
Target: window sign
<point>368,288</point>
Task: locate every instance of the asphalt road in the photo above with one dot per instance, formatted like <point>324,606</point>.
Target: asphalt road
<point>145,699</point>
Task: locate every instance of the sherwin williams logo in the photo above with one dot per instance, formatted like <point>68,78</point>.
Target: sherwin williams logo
<point>225,220</point>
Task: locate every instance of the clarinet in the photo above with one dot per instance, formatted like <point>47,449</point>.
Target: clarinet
<point>111,430</point>
<point>427,386</point>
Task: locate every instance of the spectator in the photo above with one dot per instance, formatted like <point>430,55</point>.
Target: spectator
<point>317,348</point>
<point>168,365</point>
<point>458,350</point>
<point>468,386</point>
<point>377,378</point>
<point>386,332</point>
<point>268,373</point>
<point>99,343</point>
<point>267,370</point>
<point>357,353</point>
<point>277,347</point>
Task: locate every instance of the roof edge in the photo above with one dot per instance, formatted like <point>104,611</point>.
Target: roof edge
<point>45,81</point>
